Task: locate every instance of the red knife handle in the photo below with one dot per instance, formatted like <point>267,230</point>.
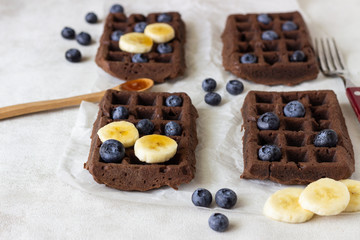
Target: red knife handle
<point>353,94</point>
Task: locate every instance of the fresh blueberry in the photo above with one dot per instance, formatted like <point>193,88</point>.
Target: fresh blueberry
<point>264,18</point>
<point>173,101</point>
<point>268,121</point>
<point>269,153</point>
<point>298,56</point>
<point>294,109</point>
<point>115,36</point>
<point>209,85</point>
<point>218,222</point>
<point>145,126</point>
<point>91,17</point>
<point>269,35</point>
<point>139,58</point>
<point>68,33</point>
<point>173,129</point>
<point>140,27</point>
<point>212,98</point>
<point>326,138</point>
<point>83,38</point>
<point>164,17</point>
<point>112,151</point>
<point>248,58</point>
<point>235,87</point>
<point>73,55</point>
<point>116,8</point>
<point>164,48</point>
<point>225,198</point>
<point>201,197</point>
<point>289,26</point>
<point>120,113</point>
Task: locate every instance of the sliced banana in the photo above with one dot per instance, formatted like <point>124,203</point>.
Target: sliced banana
<point>325,197</point>
<point>160,32</point>
<point>284,206</point>
<point>155,148</point>
<point>354,189</point>
<point>135,43</point>
<point>124,132</point>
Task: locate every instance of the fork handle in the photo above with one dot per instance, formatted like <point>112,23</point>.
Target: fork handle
<point>353,94</point>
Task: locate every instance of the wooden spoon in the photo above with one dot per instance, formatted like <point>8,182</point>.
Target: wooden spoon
<point>137,85</point>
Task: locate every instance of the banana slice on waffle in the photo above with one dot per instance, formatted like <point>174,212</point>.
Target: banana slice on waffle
<point>135,43</point>
<point>124,132</point>
<point>155,148</point>
<point>160,32</point>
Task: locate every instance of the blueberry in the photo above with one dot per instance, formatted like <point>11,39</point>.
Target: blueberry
<point>139,58</point>
<point>115,36</point>
<point>173,101</point>
<point>212,98</point>
<point>264,18</point>
<point>269,35</point>
<point>234,87</point>
<point>248,58</point>
<point>268,121</point>
<point>269,153</point>
<point>326,138</point>
<point>289,26</point>
<point>68,33</point>
<point>73,55</point>
<point>164,17</point>
<point>294,109</point>
<point>218,222</point>
<point>140,27</point>
<point>112,151</point>
<point>172,129</point>
<point>91,17</point>
<point>298,56</point>
<point>145,126</point>
<point>201,197</point>
<point>120,113</point>
<point>225,198</point>
<point>164,48</point>
<point>83,38</point>
<point>209,85</point>
<point>116,8</point>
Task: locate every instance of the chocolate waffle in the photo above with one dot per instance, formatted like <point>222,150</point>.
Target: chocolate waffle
<point>242,35</point>
<point>131,173</point>
<point>301,161</point>
<point>160,66</point>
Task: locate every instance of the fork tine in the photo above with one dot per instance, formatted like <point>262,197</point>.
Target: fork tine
<point>331,54</point>
<point>321,57</point>
<point>327,57</point>
<point>337,55</point>
<point>334,55</point>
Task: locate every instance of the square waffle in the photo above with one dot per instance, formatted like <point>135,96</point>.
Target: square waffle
<point>131,173</point>
<point>242,35</point>
<point>160,66</point>
<point>301,161</point>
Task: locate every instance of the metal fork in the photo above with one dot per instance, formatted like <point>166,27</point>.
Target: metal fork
<point>332,65</point>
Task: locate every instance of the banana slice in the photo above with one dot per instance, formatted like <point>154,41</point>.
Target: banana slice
<point>284,206</point>
<point>354,189</point>
<point>155,148</point>
<point>124,132</point>
<point>325,197</point>
<point>160,32</point>
<point>135,43</point>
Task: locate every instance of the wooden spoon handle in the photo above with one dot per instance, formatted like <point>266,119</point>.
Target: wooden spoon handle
<point>26,108</point>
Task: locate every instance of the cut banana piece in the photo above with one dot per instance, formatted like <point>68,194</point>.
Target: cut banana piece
<point>155,148</point>
<point>284,206</point>
<point>160,32</point>
<point>325,197</point>
<point>354,189</point>
<point>124,132</point>
<point>135,43</point>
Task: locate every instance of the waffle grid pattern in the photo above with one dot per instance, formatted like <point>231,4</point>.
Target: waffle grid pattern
<point>242,35</point>
<point>301,161</point>
<point>131,173</point>
<point>160,66</point>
